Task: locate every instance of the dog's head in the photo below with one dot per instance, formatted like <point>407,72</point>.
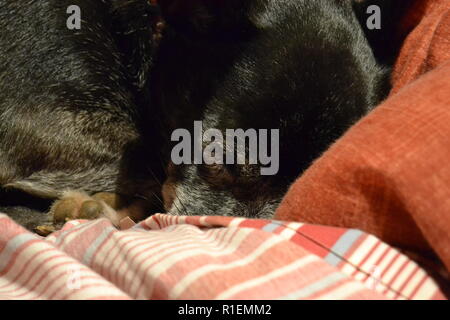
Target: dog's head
<point>215,170</point>
<point>219,189</point>
<point>304,77</point>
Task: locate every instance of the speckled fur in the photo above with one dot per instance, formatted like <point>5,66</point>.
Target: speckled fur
<point>71,101</point>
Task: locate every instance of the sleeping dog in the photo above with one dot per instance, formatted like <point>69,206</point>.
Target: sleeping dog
<point>71,102</point>
<point>301,67</point>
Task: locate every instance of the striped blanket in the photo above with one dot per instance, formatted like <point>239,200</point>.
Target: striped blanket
<point>172,257</point>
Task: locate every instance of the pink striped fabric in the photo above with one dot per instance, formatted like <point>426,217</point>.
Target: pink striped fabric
<point>173,257</point>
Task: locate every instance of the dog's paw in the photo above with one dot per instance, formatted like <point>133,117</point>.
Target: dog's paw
<point>78,205</point>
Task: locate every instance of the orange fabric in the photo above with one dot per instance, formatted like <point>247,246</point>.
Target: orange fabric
<point>390,174</point>
<point>429,43</point>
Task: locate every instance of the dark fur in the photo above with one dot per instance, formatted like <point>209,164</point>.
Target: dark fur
<point>70,100</point>
<point>304,67</point>
<point>72,103</point>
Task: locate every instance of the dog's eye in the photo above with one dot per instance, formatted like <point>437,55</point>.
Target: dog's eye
<point>213,169</point>
<point>216,174</point>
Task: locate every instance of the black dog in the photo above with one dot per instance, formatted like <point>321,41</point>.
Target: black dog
<point>303,67</point>
<point>71,100</point>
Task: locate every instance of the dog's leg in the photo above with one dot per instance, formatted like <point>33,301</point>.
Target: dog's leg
<point>79,205</point>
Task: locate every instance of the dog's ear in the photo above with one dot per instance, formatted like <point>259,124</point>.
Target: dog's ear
<point>203,16</point>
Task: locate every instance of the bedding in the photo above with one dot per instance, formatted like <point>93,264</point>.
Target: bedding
<point>390,174</point>
<point>175,257</point>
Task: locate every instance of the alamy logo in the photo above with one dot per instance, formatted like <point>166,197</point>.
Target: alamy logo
<point>74,20</point>
<point>374,21</point>
<point>237,147</point>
